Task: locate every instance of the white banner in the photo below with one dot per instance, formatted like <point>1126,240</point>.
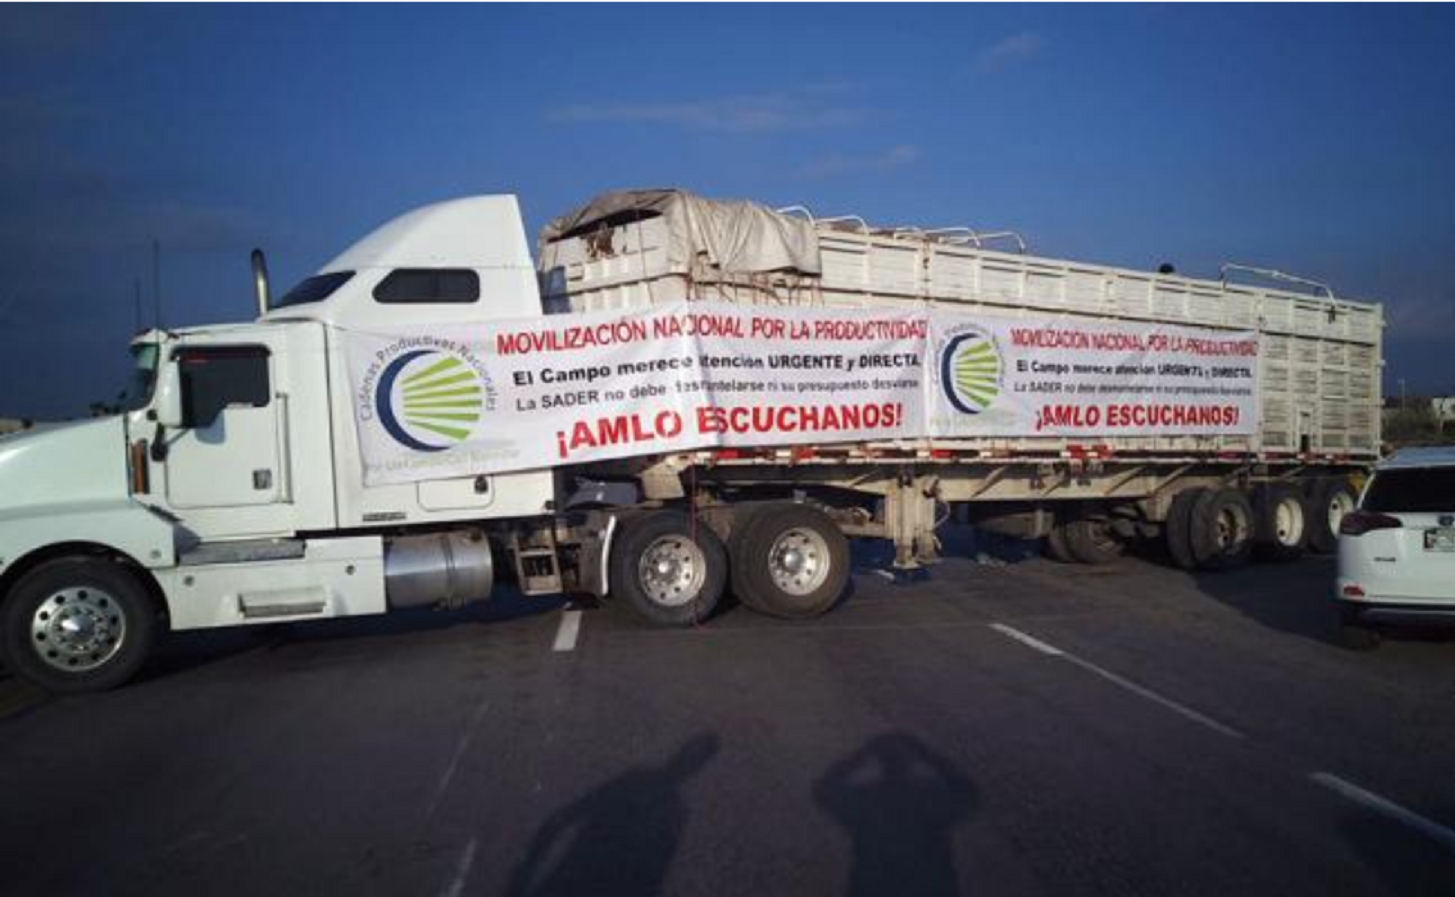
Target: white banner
<point>1061,377</point>
<point>566,389</point>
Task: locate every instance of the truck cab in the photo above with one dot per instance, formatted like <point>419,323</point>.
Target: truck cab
<point>231,489</point>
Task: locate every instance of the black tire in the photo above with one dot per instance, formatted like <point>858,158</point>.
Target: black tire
<point>1281,517</point>
<point>1177,528</point>
<point>1091,541</point>
<point>1221,531</point>
<point>1325,498</point>
<point>1057,548</point>
<point>762,578</point>
<point>77,625</point>
<point>683,595</point>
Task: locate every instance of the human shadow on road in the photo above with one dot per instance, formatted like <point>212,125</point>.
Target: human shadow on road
<point>900,802</point>
<point>620,837</point>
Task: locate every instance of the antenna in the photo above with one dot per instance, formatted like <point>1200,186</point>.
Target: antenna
<point>156,283</point>
<point>136,295</point>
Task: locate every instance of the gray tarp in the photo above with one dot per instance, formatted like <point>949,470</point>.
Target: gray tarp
<point>735,235</point>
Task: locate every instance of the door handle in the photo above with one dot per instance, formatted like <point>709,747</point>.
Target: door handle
<point>262,479</point>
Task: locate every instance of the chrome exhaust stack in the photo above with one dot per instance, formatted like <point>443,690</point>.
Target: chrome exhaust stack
<point>260,282</point>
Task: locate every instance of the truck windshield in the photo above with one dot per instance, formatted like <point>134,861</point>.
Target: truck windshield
<point>1427,490</point>
<point>138,391</point>
<point>314,289</point>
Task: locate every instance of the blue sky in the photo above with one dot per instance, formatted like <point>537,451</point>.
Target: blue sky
<point>1320,140</point>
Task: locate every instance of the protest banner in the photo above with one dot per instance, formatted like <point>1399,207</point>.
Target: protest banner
<point>566,389</point>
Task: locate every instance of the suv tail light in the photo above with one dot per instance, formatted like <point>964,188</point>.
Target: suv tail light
<point>1357,523</point>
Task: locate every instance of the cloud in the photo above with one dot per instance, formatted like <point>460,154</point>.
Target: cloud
<point>1009,50</point>
<point>801,110</point>
<point>840,163</point>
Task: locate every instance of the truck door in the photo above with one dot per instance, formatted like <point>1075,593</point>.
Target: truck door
<point>228,454</point>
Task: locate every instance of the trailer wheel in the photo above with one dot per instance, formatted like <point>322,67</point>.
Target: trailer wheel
<point>1282,520</point>
<point>78,625</point>
<point>668,571</point>
<point>1330,501</point>
<point>1177,528</point>
<point>1056,545</point>
<point>790,560</point>
<point>1221,534</point>
<point>1091,541</point>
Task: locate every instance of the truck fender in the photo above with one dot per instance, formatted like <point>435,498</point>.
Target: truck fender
<point>606,539</point>
<point>594,572</point>
<point>123,529</point>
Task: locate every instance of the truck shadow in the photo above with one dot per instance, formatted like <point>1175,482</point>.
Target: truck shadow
<point>184,651</point>
<point>957,540</point>
<point>1296,597</point>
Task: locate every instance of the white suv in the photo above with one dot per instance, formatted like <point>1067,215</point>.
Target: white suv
<point>1397,550</point>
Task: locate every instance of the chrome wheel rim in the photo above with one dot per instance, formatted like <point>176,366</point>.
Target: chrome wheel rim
<point>78,629</point>
<point>798,561</point>
<point>672,571</point>
<point>1288,522</point>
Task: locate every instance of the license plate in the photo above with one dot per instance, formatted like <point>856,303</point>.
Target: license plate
<point>1440,539</point>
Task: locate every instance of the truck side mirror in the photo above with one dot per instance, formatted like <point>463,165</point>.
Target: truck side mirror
<point>167,397</point>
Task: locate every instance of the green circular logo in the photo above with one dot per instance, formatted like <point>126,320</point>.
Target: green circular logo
<point>429,400</point>
<point>970,370</point>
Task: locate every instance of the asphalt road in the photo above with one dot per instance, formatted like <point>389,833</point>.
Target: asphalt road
<point>1019,729</point>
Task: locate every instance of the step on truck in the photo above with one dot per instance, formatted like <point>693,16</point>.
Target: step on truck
<point>675,399</point>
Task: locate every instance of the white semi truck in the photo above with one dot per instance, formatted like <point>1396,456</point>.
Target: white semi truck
<point>234,488</point>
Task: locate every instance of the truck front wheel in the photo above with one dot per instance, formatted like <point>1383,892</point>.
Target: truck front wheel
<point>789,560</point>
<point>77,625</point>
<point>668,570</point>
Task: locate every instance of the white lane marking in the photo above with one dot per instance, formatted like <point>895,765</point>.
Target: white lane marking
<point>462,870</point>
<point>460,747</point>
<point>1027,640</point>
<point>569,629</point>
<point>1344,788</point>
<point>1140,691</point>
